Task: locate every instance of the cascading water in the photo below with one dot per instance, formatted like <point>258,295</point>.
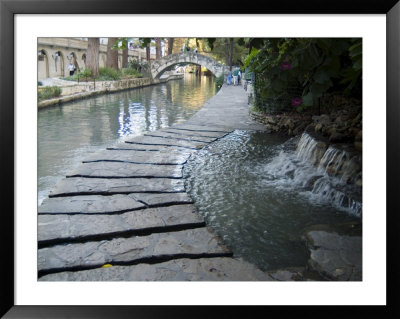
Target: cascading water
<point>260,191</point>
<point>338,174</point>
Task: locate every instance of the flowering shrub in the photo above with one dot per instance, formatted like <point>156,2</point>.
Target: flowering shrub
<point>313,66</point>
<point>296,101</point>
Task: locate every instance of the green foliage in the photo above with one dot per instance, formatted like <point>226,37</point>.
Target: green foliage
<point>295,73</point>
<point>220,49</point>
<point>85,73</point>
<point>249,58</point>
<point>219,81</point>
<point>48,92</point>
<point>131,73</point>
<point>140,67</point>
<point>108,74</point>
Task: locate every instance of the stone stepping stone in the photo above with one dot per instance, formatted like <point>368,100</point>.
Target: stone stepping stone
<point>154,200</point>
<point>101,186</point>
<point>200,128</point>
<point>118,170</point>
<point>193,243</point>
<point>181,137</point>
<point>113,204</point>
<point>203,269</point>
<point>335,256</point>
<point>148,148</point>
<point>195,133</point>
<point>149,140</point>
<point>156,158</point>
<point>53,229</point>
<point>90,204</point>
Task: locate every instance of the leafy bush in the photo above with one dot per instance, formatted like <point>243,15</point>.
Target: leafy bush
<point>219,81</point>
<point>131,73</point>
<point>108,74</point>
<point>296,73</point>
<point>139,66</point>
<point>49,92</point>
<point>87,73</point>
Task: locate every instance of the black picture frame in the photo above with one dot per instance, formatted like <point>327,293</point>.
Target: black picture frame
<point>9,8</point>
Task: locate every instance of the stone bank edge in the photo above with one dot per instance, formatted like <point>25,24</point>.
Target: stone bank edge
<point>83,90</point>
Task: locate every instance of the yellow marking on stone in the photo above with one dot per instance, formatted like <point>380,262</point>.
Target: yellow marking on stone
<point>106,266</point>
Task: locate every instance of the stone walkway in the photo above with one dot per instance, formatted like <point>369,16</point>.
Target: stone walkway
<point>123,214</point>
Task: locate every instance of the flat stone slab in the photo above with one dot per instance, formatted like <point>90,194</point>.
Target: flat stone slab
<point>149,148</point>
<point>90,204</point>
<point>149,140</point>
<point>335,256</point>
<point>195,133</point>
<point>102,186</point>
<point>203,269</point>
<point>54,229</point>
<point>181,137</point>
<point>199,242</point>
<point>156,158</point>
<point>287,274</point>
<point>118,169</point>
<point>163,199</point>
<point>200,128</point>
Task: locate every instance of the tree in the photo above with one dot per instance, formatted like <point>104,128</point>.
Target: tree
<point>125,56</point>
<point>148,52</point>
<point>230,51</point>
<point>158,48</point>
<point>112,54</point>
<point>92,56</point>
<point>170,45</point>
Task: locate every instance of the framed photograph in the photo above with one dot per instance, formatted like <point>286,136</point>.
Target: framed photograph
<point>27,58</point>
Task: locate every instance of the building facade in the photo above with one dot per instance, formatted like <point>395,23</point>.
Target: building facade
<point>54,55</point>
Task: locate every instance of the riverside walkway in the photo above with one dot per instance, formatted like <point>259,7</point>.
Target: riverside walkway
<point>124,214</point>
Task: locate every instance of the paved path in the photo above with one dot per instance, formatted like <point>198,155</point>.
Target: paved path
<point>123,214</point>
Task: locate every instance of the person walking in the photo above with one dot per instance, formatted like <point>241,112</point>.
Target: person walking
<point>71,69</point>
<point>239,76</point>
<point>235,76</point>
<point>229,78</point>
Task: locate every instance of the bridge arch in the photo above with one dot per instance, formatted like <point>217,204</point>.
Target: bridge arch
<point>157,67</point>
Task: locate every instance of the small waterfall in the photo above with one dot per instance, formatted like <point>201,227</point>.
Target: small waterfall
<point>308,149</point>
<point>339,170</point>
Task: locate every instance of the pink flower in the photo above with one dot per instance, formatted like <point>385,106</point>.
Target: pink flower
<point>286,66</point>
<point>296,101</point>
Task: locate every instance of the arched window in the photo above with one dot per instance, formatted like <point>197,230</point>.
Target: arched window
<point>43,65</point>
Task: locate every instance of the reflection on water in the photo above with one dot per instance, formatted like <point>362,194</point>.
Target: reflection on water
<point>68,133</point>
<point>260,213</point>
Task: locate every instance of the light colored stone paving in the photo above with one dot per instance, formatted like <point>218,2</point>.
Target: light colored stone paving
<point>195,243</point>
<point>127,206</point>
<point>203,269</point>
<point>79,226</point>
<point>117,169</point>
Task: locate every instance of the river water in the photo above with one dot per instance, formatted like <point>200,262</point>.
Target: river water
<point>68,133</point>
<point>256,192</point>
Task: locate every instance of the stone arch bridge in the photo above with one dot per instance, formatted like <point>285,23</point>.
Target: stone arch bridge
<point>157,67</point>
